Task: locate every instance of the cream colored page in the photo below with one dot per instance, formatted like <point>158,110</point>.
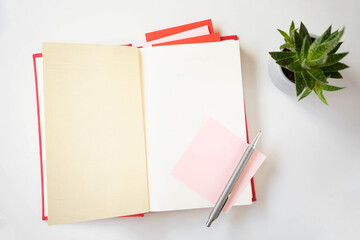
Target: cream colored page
<point>95,146</point>
<point>184,85</point>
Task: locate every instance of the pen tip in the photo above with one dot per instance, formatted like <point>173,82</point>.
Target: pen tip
<point>208,223</point>
<point>256,139</point>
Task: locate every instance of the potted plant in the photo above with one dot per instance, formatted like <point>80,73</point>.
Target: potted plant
<point>306,62</point>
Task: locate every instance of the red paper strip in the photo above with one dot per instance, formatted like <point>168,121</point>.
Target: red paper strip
<point>151,36</point>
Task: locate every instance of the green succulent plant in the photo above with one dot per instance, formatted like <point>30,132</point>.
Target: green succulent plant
<point>313,61</point>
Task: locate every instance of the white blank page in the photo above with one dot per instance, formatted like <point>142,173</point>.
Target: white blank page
<point>183,86</point>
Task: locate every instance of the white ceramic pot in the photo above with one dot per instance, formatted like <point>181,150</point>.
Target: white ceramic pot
<point>279,79</point>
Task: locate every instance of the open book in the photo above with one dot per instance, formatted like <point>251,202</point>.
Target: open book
<point>117,119</point>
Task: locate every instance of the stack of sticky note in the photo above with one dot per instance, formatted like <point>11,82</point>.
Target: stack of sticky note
<point>128,130</point>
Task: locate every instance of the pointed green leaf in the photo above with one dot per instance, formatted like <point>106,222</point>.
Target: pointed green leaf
<point>305,94</point>
<point>333,75</point>
<point>319,93</point>
<point>309,80</point>
<point>295,66</point>
<point>317,54</point>
<point>298,41</point>
<point>292,27</point>
<point>331,88</point>
<point>286,36</point>
<point>305,65</point>
<point>325,35</point>
<point>286,61</point>
<point>335,67</point>
<point>317,63</point>
<point>305,47</point>
<point>317,75</point>
<point>281,55</point>
<point>285,45</point>
<point>319,40</point>
<point>303,31</point>
<point>334,58</point>
<point>299,83</point>
<point>336,48</point>
<point>333,35</point>
<point>334,38</point>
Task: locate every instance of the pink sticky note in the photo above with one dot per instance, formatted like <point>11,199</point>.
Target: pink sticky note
<point>208,163</point>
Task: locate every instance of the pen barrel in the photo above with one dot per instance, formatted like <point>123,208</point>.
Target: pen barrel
<point>237,172</point>
<point>231,183</point>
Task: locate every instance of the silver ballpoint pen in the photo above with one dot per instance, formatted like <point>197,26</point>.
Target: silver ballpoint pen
<point>232,181</point>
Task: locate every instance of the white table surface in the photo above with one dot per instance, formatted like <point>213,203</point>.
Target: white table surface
<point>309,186</point>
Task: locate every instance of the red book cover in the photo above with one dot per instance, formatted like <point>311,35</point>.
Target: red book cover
<point>212,37</point>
